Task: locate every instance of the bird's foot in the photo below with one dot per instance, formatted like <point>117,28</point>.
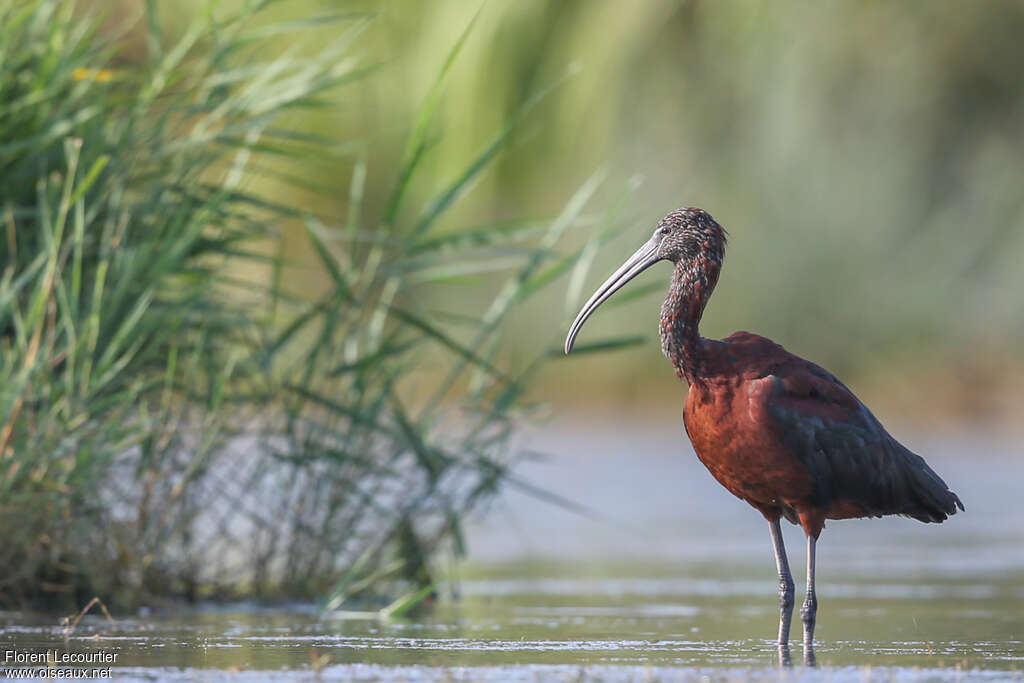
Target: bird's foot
<point>809,658</point>
<point>784,657</point>
<point>785,609</point>
<point>808,614</point>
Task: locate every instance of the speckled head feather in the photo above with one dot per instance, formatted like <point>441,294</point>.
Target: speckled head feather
<point>689,233</point>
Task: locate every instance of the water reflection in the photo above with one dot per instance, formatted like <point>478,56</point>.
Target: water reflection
<point>677,633</point>
<point>904,601</point>
<point>809,658</point>
<point>785,658</point>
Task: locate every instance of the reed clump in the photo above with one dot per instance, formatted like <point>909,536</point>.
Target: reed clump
<point>181,415</point>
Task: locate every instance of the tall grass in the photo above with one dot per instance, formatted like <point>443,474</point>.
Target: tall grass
<point>179,415</point>
<point>863,156</point>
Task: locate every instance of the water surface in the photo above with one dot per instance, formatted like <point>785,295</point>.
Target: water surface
<point>667,578</point>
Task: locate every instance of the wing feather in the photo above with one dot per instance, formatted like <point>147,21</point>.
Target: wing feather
<point>853,460</point>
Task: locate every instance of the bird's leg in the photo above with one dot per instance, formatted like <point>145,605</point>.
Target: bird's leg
<point>785,659</point>
<point>785,591</point>
<point>809,611</point>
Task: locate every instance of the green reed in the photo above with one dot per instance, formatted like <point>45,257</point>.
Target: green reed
<point>187,409</point>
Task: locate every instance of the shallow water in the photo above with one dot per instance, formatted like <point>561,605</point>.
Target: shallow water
<point>669,578</point>
<point>671,626</point>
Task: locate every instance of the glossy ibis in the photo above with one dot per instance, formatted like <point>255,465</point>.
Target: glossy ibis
<point>774,429</point>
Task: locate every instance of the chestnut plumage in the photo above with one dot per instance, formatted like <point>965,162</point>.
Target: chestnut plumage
<point>774,429</point>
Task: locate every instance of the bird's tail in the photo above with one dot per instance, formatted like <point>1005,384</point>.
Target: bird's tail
<point>930,499</point>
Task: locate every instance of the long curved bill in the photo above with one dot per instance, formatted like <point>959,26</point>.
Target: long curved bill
<point>645,257</point>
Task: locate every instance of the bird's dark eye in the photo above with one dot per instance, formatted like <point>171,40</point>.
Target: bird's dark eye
<point>665,231</point>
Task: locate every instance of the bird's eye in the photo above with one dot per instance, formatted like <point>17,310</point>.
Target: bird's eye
<point>665,230</point>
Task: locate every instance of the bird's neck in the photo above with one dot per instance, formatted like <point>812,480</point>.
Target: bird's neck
<point>692,284</point>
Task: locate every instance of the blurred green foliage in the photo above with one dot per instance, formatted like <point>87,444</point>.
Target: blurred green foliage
<point>863,155</point>
<point>180,415</point>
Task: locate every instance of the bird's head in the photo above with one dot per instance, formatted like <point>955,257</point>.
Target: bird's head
<point>689,237</point>
<point>689,234</point>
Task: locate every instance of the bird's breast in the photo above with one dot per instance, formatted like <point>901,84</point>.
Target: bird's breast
<point>734,438</point>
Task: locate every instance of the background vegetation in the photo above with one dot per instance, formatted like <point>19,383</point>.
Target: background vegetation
<point>865,158</point>
<point>314,253</point>
<point>182,415</point>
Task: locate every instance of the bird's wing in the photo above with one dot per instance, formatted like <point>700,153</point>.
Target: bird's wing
<point>851,457</point>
